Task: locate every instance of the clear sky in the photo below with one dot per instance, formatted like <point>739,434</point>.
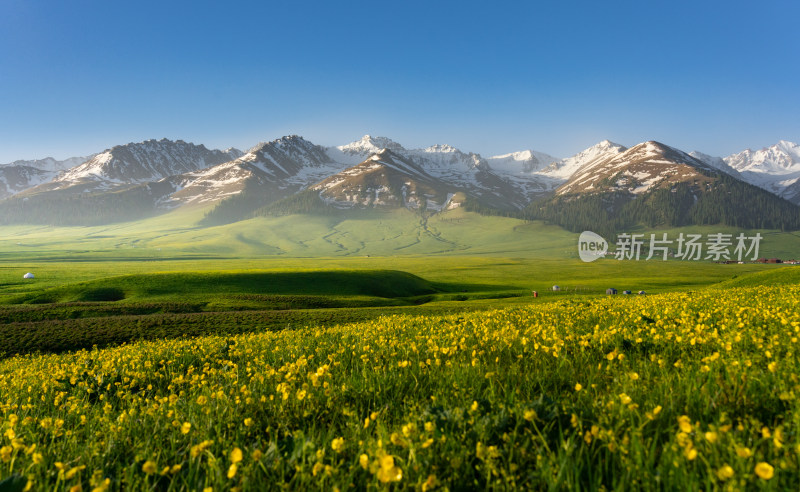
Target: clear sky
<point>77,76</point>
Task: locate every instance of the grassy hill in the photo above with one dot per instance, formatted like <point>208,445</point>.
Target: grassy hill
<point>375,233</point>
<point>788,275</point>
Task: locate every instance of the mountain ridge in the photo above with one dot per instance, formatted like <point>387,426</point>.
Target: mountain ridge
<point>168,174</point>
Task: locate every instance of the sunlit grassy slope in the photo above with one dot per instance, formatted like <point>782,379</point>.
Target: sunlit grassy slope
<point>453,247</point>
<point>202,285</point>
<point>373,233</point>
<point>366,233</point>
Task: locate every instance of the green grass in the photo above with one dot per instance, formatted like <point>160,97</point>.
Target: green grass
<point>208,285</point>
<point>240,309</point>
<point>667,392</point>
<point>167,272</point>
<point>787,275</point>
<point>176,235</point>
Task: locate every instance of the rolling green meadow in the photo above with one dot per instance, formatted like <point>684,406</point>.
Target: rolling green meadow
<point>389,350</point>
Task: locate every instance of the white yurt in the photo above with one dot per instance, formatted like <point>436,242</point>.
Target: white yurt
<point>28,275</point>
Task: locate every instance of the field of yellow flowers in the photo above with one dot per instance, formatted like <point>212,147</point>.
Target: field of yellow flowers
<point>684,390</point>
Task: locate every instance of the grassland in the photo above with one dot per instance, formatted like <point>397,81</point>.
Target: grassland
<point>176,236</point>
<point>657,392</point>
<point>387,350</point>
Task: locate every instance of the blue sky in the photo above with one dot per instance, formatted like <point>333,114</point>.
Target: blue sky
<point>491,77</point>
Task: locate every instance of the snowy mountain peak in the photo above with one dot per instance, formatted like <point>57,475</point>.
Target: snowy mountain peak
<point>781,158</point>
<point>355,152</point>
<point>443,148</point>
<point>233,152</point>
<point>601,151</point>
<point>640,169</point>
<point>650,147</point>
<point>522,162</point>
<point>606,145</point>
<point>287,156</point>
<point>371,144</point>
<point>775,169</point>
<point>286,142</point>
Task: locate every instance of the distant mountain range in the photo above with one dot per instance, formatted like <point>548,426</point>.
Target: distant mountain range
<point>136,180</point>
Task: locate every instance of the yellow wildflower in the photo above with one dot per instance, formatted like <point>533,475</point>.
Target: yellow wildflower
<point>388,471</point>
<point>764,470</point>
<point>725,472</point>
<point>149,467</point>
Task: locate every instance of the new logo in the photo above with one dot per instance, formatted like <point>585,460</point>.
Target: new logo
<point>591,246</point>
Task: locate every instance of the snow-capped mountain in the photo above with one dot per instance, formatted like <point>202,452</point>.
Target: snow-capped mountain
<point>279,167</point>
<point>136,163</point>
<point>14,179</point>
<point>437,160</point>
<point>640,169</point>
<point>781,158</point>
<point>775,169</point>
<point>355,152</point>
<point>523,162</point>
<point>657,185</point>
<point>386,180</point>
<point>538,173</point>
<point>564,169</point>
<point>464,170</point>
<point>21,175</point>
<point>153,176</point>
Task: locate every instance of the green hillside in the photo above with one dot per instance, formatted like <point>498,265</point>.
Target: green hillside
<point>178,235</point>
<point>729,202</point>
<point>206,285</point>
<point>788,275</point>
